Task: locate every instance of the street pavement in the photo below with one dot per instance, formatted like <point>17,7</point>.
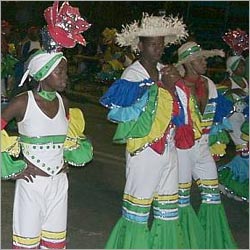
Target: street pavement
<point>95,191</point>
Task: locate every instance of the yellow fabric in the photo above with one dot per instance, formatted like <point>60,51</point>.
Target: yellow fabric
<point>172,197</point>
<point>218,149</point>
<point>244,137</point>
<point>162,119</point>
<point>26,241</point>
<point>76,128</point>
<point>53,235</point>
<point>196,123</point>
<point>135,200</point>
<point>9,144</point>
<point>206,182</point>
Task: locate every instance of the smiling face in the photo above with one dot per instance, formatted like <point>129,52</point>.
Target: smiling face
<point>151,48</point>
<point>58,78</point>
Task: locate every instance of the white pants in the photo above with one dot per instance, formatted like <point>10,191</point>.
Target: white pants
<point>196,162</point>
<point>40,212</point>
<point>149,173</point>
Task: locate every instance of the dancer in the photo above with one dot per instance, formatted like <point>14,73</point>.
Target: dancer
<point>234,176</point>
<point>143,103</point>
<point>197,162</point>
<point>48,139</point>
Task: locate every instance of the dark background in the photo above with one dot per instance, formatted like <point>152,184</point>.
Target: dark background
<point>207,21</point>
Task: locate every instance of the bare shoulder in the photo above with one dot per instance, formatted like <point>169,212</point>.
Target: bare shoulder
<point>16,108</point>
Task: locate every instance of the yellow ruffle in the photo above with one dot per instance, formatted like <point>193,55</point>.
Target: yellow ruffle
<point>9,144</point>
<point>218,149</point>
<point>196,123</point>
<point>76,128</point>
<point>162,119</point>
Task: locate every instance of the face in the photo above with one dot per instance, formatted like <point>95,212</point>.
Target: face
<point>199,65</point>
<point>57,80</point>
<point>240,71</point>
<point>152,48</point>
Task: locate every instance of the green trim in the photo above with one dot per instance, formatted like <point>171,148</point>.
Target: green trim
<point>188,52</point>
<point>234,66</point>
<point>45,69</point>
<point>55,139</point>
<point>47,95</point>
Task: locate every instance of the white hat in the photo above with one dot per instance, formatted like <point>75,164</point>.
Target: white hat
<point>190,50</point>
<point>41,65</point>
<point>172,28</point>
<point>233,62</point>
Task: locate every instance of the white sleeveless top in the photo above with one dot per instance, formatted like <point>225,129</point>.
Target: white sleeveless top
<point>42,137</point>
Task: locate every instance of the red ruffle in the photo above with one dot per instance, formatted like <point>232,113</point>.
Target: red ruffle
<point>184,137</point>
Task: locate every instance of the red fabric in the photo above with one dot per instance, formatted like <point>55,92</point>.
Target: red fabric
<point>200,89</point>
<point>159,146</point>
<point>3,123</point>
<point>184,137</point>
<point>18,247</point>
<point>52,245</point>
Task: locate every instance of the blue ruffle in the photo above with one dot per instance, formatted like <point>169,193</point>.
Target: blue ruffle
<point>124,114</point>
<point>224,107</point>
<point>217,127</point>
<point>124,93</point>
<point>239,167</point>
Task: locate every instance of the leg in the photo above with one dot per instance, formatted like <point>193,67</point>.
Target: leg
<point>142,177</point>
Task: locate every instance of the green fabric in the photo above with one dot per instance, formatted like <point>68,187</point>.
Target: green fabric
<point>142,126</point>
<point>128,235</point>
<point>166,235</point>
<point>9,167</point>
<point>45,69</point>
<point>217,232</point>
<point>245,128</point>
<point>194,235</point>
<point>189,52</point>
<point>81,155</point>
<point>239,189</point>
<point>43,139</point>
<point>47,95</point>
<point>8,63</point>
<point>221,137</point>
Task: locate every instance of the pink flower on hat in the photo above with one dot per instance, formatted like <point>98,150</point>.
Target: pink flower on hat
<point>66,24</point>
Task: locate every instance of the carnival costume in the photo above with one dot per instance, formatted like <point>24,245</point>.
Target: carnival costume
<point>197,162</point>
<point>234,175</point>
<point>47,143</point>
<point>148,124</point>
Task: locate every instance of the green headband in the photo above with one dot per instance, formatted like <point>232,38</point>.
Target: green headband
<point>188,52</point>
<point>46,68</point>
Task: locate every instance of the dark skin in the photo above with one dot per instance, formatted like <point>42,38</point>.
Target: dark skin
<point>152,49</point>
<point>56,81</point>
<point>194,69</point>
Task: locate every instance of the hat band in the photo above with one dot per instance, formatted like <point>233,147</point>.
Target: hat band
<point>46,68</point>
<point>189,51</point>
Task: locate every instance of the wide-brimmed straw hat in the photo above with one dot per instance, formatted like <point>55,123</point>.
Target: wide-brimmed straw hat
<point>171,28</point>
<point>191,50</point>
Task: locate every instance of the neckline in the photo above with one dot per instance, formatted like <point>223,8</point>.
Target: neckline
<point>41,111</point>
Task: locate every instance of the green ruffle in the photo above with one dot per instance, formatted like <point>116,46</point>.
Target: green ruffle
<point>128,235</point>
<point>245,128</point>
<point>194,235</point>
<point>239,189</point>
<point>80,155</point>
<point>166,235</point>
<point>9,167</point>
<point>217,232</point>
<point>221,137</point>
<point>141,127</point>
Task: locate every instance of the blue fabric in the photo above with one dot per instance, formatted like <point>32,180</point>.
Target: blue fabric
<point>124,114</point>
<point>246,109</point>
<point>124,93</point>
<point>179,119</point>
<point>224,125</point>
<point>239,167</point>
<point>224,107</point>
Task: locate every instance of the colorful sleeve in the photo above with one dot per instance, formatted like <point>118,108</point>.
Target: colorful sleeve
<point>78,149</point>
<point>10,148</point>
